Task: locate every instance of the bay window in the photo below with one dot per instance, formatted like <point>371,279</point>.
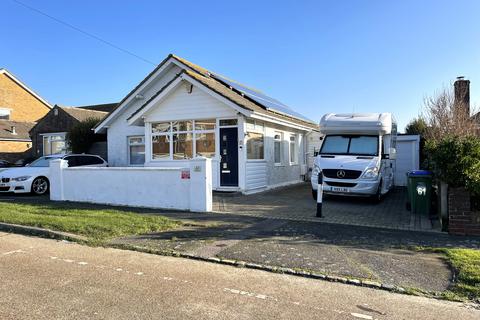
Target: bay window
<point>182,146</point>
<point>161,147</point>
<point>179,140</point>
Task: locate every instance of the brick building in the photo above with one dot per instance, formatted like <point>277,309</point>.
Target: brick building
<point>20,108</point>
<point>49,133</point>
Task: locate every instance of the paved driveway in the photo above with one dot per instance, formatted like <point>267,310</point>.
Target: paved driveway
<point>296,203</point>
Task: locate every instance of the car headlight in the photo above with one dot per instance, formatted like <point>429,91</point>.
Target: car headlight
<point>22,178</point>
<point>370,173</point>
<point>316,170</point>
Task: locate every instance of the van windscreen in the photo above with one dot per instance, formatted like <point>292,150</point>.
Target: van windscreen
<point>350,145</point>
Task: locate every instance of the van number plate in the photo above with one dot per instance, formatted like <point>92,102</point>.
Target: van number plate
<point>338,189</point>
<point>3,184</point>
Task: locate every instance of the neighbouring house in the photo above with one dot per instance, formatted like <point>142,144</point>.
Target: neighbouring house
<point>181,110</point>
<point>48,135</point>
<point>20,108</point>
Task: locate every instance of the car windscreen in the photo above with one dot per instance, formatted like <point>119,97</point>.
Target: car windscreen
<point>350,145</point>
<point>42,162</point>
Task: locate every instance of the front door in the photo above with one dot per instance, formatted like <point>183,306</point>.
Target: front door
<point>229,160</point>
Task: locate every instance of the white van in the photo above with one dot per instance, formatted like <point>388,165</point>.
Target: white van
<point>357,157</point>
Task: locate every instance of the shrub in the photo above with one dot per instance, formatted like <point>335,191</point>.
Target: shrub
<point>416,126</point>
<point>456,161</point>
<point>81,136</point>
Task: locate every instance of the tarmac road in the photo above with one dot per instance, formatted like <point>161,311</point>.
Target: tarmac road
<point>49,279</point>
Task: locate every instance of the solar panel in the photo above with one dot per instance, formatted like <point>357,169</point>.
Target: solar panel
<point>268,102</point>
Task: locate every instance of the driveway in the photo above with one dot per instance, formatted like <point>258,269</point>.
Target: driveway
<point>296,203</point>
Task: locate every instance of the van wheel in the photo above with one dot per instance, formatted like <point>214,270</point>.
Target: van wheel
<point>377,198</point>
<point>40,186</point>
<point>314,194</point>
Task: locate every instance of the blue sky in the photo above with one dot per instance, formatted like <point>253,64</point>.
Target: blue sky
<point>315,56</point>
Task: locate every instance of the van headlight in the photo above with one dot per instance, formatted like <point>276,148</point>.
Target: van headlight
<point>22,178</point>
<point>371,173</point>
<point>316,170</point>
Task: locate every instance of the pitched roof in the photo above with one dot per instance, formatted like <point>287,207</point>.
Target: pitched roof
<point>244,102</point>
<point>25,87</point>
<point>105,107</point>
<point>220,85</point>
<point>21,128</point>
<point>83,114</point>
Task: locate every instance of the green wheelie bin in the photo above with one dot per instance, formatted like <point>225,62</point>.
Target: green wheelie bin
<point>419,188</point>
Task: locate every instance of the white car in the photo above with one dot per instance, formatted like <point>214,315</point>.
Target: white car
<point>34,177</point>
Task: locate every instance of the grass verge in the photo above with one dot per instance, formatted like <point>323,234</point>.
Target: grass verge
<point>466,266</point>
<point>97,223</point>
<point>466,263</point>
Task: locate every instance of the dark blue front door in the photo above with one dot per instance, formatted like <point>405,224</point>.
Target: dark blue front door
<point>229,153</point>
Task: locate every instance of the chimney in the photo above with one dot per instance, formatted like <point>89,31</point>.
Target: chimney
<point>462,94</point>
<point>13,130</point>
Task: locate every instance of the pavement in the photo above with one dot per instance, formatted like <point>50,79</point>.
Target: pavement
<point>295,203</point>
<point>49,279</point>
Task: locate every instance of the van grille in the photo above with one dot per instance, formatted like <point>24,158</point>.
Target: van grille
<point>349,174</point>
<point>4,189</point>
<point>5,180</point>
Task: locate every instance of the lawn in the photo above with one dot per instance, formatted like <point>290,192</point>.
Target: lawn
<point>466,263</point>
<point>97,223</point>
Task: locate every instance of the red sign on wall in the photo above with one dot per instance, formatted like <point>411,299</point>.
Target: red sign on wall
<point>185,174</point>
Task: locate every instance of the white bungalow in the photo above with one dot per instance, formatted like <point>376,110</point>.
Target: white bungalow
<point>181,110</point>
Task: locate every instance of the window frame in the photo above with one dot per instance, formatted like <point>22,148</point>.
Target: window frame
<point>280,142</point>
<point>49,136</point>
<point>193,132</point>
<point>8,112</point>
<point>295,143</point>
<point>258,128</point>
<point>129,145</point>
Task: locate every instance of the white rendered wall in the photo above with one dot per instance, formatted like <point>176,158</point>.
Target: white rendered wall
<point>188,188</point>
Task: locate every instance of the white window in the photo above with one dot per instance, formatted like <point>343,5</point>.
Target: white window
<point>5,114</point>
<point>255,150</point>
<point>293,149</point>
<point>180,140</point>
<point>254,125</point>
<point>54,143</point>
<point>277,148</point>
<point>136,150</point>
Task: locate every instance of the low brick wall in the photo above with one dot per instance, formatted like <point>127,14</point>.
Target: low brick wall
<point>463,219</point>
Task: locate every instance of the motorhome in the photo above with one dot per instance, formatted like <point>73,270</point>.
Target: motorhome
<point>357,156</point>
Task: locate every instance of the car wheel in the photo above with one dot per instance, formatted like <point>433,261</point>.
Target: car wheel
<point>314,194</point>
<point>40,186</point>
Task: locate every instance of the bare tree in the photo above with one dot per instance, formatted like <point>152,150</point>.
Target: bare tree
<point>446,117</point>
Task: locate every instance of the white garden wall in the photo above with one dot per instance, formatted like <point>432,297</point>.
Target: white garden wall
<point>180,188</point>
